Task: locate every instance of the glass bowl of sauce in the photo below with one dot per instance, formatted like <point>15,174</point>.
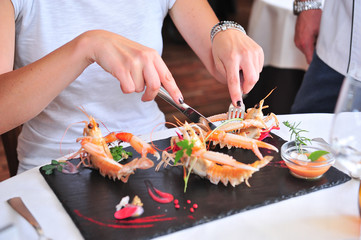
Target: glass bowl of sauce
<point>300,165</point>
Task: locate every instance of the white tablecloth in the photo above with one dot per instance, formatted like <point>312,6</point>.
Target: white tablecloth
<point>330,213</point>
<point>272,26</point>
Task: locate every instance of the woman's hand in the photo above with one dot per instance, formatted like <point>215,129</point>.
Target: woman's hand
<point>38,83</point>
<point>137,67</point>
<point>235,53</point>
<point>306,32</point>
<point>232,51</point>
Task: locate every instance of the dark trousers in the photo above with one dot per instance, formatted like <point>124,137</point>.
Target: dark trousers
<point>319,89</point>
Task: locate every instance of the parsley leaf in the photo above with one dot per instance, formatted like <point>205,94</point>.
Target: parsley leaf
<point>317,154</point>
<point>54,165</point>
<point>119,153</point>
<point>184,146</point>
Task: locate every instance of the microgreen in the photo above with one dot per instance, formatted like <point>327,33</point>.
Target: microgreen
<point>223,123</point>
<point>119,153</point>
<point>186,175</point>
<point>54,165</point>
<point>185,146</point>
<point>302,141</point>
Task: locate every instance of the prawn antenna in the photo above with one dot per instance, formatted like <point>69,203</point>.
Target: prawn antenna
<point>66,130</point>
<point>151,134</point>
<point>269,93</point>
<point>82,109</point>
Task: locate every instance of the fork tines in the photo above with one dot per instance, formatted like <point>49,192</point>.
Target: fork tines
<point>236,112</point>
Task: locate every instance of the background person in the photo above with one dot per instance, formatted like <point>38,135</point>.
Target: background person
<point>331,41</point>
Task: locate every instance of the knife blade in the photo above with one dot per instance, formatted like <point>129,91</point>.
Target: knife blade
<point>184,108</point>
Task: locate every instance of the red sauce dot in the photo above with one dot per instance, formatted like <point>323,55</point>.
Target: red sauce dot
<point>189,201</point>
<point>195,205</point>
<point>191,209</point>
<point>176,206</point>
<point>176,201</point>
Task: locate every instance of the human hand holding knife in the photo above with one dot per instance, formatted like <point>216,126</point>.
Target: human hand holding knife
<point>184,108</point>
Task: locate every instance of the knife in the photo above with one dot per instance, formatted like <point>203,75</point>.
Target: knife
<point>18,205</point>
<point>184,108</point>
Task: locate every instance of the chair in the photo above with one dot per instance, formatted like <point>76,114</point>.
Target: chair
<point>10,142</point>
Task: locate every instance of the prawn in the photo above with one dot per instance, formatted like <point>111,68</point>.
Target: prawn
<point>215,166</point>
<point>95,153</point>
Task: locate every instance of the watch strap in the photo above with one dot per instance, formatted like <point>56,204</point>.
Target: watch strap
<point>300,6</point>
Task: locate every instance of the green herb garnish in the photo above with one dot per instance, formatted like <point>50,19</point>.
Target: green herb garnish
<point>316,155</point>
<point>54,165</point>
<point>223,123</point>
<point>296,133</point>
<point>185,146</point>
<point>186,175</point>
<point>302,141</point>
<point>119,153</point>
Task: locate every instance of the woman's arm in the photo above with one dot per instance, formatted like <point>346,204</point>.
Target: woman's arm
<point>25,92</point>
<point>230,52</point>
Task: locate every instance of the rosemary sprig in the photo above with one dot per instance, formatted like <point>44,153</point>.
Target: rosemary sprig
<point>302,141</point>
<point>296,133</point>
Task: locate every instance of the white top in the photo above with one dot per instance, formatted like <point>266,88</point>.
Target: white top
<point>41,27</point>
<point>334,43</point>
<point>272,26</point>
<point>330,213</point>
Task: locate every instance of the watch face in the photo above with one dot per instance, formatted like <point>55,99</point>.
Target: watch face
<point>295,8</point>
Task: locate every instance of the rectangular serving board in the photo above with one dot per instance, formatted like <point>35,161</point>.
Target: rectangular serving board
<point>90,199</point>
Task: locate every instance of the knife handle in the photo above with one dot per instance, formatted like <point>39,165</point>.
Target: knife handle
<point>18,205</point>
<point>165,95</point>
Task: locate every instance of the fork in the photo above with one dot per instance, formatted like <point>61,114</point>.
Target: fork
<point>237,112</point>
<point>18,205</point>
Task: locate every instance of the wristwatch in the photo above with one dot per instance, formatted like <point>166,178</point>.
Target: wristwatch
<point>300,6</point>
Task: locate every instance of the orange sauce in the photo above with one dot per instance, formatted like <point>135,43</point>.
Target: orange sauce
<point>310,169</point>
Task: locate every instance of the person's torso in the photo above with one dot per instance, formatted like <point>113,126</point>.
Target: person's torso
<point>42,26</point>
<point>339,41</point>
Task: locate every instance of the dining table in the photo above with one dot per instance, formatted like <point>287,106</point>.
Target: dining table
<point>329,213</point>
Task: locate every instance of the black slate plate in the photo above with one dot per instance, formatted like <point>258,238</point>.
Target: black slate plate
<point>90,199</point>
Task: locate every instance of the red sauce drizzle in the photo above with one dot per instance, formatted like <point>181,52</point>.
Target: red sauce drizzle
<point>279,164</point>
<point>162,197</point>
<point>155,218</point>
<point>128,223</point>
<point>111,225</point>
